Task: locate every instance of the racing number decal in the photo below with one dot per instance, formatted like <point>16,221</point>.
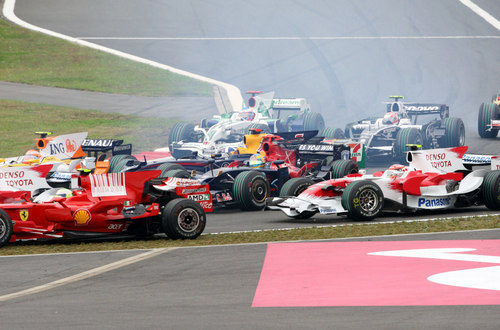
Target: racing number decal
<point>24,215</point>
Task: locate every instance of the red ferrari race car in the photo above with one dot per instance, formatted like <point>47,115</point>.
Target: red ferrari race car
<point>435,179</point>
<point>134,203</point>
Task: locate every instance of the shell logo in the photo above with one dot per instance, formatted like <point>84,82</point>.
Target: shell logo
<point>82,217</point>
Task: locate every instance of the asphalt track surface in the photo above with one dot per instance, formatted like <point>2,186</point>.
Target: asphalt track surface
<point>201,288</point>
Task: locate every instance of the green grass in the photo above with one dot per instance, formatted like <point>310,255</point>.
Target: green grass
<point>34,58</point>
<point>21,119</point>
<point>361,230</point>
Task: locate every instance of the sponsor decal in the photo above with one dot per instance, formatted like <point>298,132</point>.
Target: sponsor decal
<point>286,102</point>
<point>327,210</point>
<point>223,197</point>
<point>112,184</point>
<point>433,202</point>
<point>199,197</point>
<point>206,205</point>
<point>24,215</point>
<point>316,147</point>
<point>15,179</point>
<point>422,108</point>
<point>476,159</point>
<point>97,143</point>
<point>390,273</point>
<point>193,190</point>
<point>438,160</point>
<point>82,217</point>
<point>115,226</point>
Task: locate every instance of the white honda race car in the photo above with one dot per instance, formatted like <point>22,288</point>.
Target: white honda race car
<point>223,133</point>
<point>435,179</point>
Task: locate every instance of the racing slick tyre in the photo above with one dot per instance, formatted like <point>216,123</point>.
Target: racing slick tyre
<point>115,160</point>
<point>122,164</point>
<point>363,200</point>
<point>295,186</point>
<point>332,133</point>
<point>250,190</point>
<point>343,167</point>
<point>263,127</point>
<point>487,112</point>
<point>176,173</point>
<point>490,190</point>
<point>182,132</point>
<point>313,121</point>
<point>5,228</point>
<point>409,135</point>
<point>183,218</point>
<point>454,135</point>
<point>165,167</point>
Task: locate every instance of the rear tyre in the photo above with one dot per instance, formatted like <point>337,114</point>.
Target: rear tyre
<point>182,132</point>
<point>176,173</point>
<point>454,133</point>
<point>406,136</point>
<point>250,190</point>
<point>313,121</point>
<point>343,167</point>
<point>490,190</point>
<point>115,160</point>
<point>165,167</point>
<point>5,228</point>
<point>363,200</point>
<point>295,186</point>
<point>183,218</point>
<point>120,166</point>
<point>332,133</point>
<point>487,112</point>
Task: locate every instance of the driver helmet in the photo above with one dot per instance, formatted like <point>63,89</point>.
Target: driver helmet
<point>257,161</point>
<point>31,156</point>
<point>64,192</point>
<point>396,170</point>
<point>391,118</point>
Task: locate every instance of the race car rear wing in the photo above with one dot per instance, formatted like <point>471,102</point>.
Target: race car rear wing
<point>104,145</point>
<point>424,108</point>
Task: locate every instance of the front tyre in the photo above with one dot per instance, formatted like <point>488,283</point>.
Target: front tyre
<point>487,112</point>
<point>5,228</point>
<point>250,190</point>
<point>343,167</point>
<point>363,200</point>
<point>183,218</point>
<point>295,187</point>
<point>490,190</point>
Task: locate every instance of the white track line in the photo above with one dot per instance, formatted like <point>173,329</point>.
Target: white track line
<point>86,274</point>
<point>481,12</point>
<point>233,93</point>
<point>287,38</point>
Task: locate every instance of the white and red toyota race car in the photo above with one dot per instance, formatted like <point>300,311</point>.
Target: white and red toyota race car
<point>435,179</point>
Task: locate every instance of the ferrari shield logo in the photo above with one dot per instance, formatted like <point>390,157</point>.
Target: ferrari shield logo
<point>24,215</point>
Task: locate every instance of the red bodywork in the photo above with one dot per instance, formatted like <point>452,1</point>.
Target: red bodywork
<point>95,208</point>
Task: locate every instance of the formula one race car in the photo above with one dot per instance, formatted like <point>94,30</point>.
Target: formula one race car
<point>124,204</point>
<point>407,123</point>
<point>225,132</point>
<point>435,179</point>
<point>488,121</point>
<point>247,183</point>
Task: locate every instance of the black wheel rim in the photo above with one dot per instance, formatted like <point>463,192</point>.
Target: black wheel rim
<point>188,219</point>
<point>259,191</point>
<point>3,227</point>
